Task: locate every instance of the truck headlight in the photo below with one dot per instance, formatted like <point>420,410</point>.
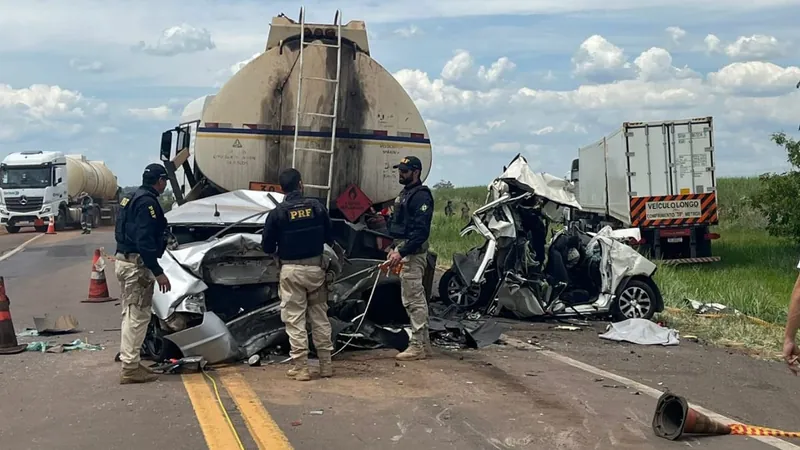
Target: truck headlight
<point>46,209</point>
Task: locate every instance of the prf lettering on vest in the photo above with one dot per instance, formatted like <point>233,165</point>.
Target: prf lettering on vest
<point>299,214</point>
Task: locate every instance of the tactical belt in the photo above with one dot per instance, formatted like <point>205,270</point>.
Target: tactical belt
<point>315,261</point>
<point>125,256</point>
<point>399,243</point>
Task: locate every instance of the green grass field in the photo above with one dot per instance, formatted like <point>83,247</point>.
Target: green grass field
<point>755,276</point>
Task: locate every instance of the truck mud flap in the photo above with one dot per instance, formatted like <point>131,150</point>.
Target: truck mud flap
<point>679,261</point>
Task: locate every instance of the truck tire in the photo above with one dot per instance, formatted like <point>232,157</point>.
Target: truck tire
<point>636,299</point>
<point>40,228</point>
<point>61,219</point>
<point>12,229</point>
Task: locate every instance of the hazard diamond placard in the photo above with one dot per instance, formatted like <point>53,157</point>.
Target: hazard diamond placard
<point>353,202</point>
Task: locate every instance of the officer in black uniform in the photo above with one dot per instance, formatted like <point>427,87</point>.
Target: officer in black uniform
<point>299,227</point>
<point>141,241</point>
<point>410,226</point>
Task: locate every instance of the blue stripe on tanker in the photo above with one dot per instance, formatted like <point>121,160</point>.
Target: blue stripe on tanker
<point>320,134</point>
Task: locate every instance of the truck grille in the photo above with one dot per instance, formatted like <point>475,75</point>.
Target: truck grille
<point>31,204</point>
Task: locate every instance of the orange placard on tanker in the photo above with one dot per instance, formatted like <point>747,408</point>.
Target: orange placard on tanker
<point>353,202</point>
<point>265,187</point>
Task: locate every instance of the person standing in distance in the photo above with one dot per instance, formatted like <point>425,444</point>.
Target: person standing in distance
<point>300,227</point>
<point>410,226</point>
<point>140,242</point>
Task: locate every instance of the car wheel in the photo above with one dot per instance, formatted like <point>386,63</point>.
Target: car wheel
<point>635,301</point>
<point>155,346</point>
<point>453,292</point>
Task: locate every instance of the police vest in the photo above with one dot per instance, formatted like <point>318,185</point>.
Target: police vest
<point>301,225</point>
<point>401,217</point>
<point>125,228</point>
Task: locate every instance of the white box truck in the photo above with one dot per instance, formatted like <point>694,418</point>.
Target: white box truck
<point>37,185</point>
<point>655,176</point>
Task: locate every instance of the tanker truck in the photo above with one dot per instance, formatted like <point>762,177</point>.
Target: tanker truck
<point>37,185</point>
<point>317,101</point>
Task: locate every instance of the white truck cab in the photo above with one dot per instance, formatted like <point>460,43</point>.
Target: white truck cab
<point>32,186</point>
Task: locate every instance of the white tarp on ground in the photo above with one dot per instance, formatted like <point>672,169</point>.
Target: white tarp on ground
<point>230,206</point>
<point>642,332</point>
<point>542,184</point>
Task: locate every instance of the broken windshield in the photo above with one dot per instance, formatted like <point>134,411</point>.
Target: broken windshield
<point>25,177</point>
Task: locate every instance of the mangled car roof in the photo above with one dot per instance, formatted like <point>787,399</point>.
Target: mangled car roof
<point>542,184</point>
<point>231,207</point>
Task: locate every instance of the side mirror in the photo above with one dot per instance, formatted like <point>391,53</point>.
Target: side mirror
<point>59,180</point>
<point>166,145</point>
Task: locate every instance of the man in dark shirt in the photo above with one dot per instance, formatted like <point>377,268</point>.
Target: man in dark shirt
<point>140,240</point>
<point>299,228</point>
<point>410,226</point>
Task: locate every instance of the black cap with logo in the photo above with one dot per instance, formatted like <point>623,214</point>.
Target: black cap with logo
<point>409,163</point>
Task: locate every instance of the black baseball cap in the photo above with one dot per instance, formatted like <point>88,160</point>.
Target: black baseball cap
<point>409,163</point>
<point>154,172</point>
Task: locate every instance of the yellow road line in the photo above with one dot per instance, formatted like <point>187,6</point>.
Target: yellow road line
<point>262,428</point>
<point>216,430</point>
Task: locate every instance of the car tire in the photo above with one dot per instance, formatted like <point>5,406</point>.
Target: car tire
<point>156,347</point>
<point>636,299</point>
<point>450,282</point>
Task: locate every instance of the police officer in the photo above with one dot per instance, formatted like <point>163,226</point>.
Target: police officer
<point>86,213</point>
<point>410,226</point>
<point>299,227</point>
<point>140,242</point>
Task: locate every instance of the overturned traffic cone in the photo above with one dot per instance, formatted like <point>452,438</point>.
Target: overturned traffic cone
<point>98,288</point>
<point>674,418</point>
<point>51,227</point>
<point>8,338</point>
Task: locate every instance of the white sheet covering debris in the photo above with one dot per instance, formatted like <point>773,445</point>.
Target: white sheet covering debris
<point>642,332</point>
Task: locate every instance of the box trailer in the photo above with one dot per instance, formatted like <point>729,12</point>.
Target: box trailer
<point>658,177</point>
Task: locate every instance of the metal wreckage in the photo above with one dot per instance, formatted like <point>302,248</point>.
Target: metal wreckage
<point>224,303</point>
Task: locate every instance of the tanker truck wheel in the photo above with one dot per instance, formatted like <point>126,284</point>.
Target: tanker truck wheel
<point>12,230</point>
<point>61,220</point>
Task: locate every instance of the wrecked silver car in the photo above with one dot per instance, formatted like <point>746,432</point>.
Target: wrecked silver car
<point>514,273</point>
<point>224,303</point>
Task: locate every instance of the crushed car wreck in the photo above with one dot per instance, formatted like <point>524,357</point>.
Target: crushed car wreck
<point>224,303</point>
<point>578,275</point>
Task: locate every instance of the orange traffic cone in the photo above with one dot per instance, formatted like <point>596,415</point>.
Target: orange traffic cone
<point>674,417</point>
<point>98,288</point>
<point>51,227</point>
<point>8,338</point>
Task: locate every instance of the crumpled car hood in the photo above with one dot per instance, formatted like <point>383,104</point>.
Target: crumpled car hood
<point>519,173</point>
<point>241,206</point>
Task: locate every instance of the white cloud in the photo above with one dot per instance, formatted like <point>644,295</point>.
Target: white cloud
<point>87,66</point>
<point>676,34</point>
<point>755,77</point>
<point>656,64</point>
<point>505,147</point>
<point>757,46</point>
<point>179,39</point>
<point>497,69</point>
<point>239,65</point>
<point>713,44</point>
<point>457,66</point>
<point>597,56</point>
<point>162,112</point>
<point>437,94</point>
<point>43,108</point>
<point>409,31</point>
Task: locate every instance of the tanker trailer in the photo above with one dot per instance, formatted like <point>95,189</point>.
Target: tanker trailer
<point>355,122</point>
<point>37,185</point>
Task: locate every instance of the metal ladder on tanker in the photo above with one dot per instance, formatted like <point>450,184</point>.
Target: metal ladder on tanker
<point>299,113</point>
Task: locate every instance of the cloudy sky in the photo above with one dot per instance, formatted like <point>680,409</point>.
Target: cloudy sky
<point>491,78</point>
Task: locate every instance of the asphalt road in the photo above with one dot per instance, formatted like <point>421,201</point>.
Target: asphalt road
<point>501,397</point>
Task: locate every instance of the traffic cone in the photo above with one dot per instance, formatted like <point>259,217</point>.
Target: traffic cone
<point>51,227</point>
<point>674,418</point>
<point>98,288</point>
<point>8,338</point>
